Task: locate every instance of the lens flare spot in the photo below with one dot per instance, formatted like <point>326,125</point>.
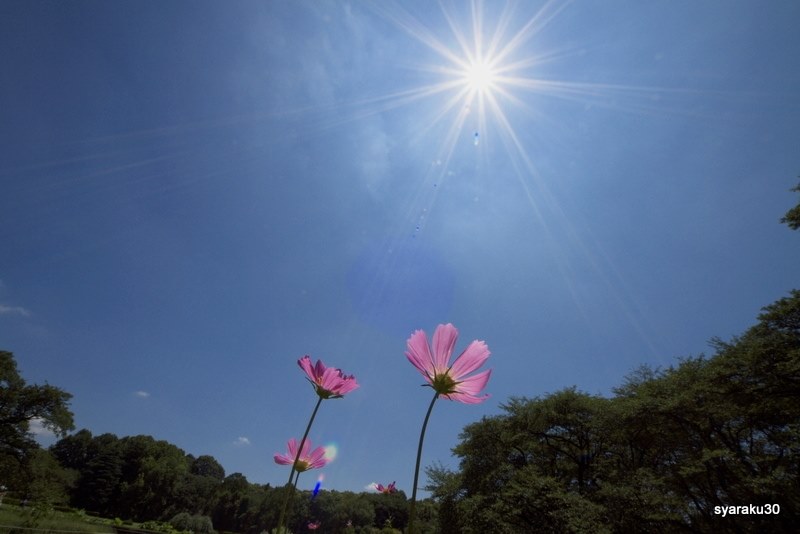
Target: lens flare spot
<point>331,451</point>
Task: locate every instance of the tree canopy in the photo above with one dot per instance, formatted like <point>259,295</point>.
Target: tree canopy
<point>792,217</point>
<point>666,452</point>
<point>20,405</point>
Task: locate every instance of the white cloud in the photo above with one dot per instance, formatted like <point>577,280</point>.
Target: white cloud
<point>372,486</point>
<point>241,441</point>
<point>142,394</point>
<point>14,310</point>
<point>37,428</point>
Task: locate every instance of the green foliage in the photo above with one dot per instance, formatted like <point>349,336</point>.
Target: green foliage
<point>19,405</point>
<point>54,521</point>
<point>207,466</point>
<point>792,217</point>
<point>198,524</point>
<point>236,505</point>
<point>159,526</point>
<point>660,455</point>
<point>48,484</point>
<point>137,477</point>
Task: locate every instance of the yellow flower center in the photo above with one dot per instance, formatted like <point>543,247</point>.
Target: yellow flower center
<point>301,465</point>
<point>443,384</point>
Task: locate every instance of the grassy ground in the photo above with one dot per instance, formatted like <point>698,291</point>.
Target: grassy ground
<point>17,520</point>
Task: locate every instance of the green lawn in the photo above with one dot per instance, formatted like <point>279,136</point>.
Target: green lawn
<point>17,520</point>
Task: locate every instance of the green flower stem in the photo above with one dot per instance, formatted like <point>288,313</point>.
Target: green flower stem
<point>290,488</point>
<point>413,510</point>
<point>292,494</point>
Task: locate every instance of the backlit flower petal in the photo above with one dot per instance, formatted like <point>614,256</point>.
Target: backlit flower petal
<point>471,359</point>
<point>283,459</point>
<point>292,446</point>
<point>328,382</point>
<point>466,398</point>
<point>317,458</point>
<point>419,354</point>
<point>347,385</point>
<point>451,382</point>
<point>444,339</point>
<point>474,384</point>
<point>329,379</point>
<point>305,461</point>
<point>306,366</point>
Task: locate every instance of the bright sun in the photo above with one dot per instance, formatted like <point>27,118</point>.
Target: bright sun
<point>480,77</point>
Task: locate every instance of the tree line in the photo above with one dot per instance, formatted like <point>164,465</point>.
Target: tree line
<point>144,480</point>
<point>668,452</point>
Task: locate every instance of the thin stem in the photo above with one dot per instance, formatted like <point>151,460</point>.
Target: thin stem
<point>413,510</point>
<point>289,487</point>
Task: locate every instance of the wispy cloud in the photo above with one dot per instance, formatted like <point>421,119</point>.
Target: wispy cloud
<point>241,441</point>
<point>372,486</point>
<point>142,394</point>
<point>14,310</point>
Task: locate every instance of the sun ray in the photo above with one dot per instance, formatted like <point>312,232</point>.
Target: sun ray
<point>485,66</point>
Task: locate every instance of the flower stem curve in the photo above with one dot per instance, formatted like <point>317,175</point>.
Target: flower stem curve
<point>289,487</point>
<point>413,510</point>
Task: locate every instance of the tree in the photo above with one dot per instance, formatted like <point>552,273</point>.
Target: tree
<point>660,455</point>
<point>197,524</point>
<point>207,466</point>
<point>19,405</point>
<point>792,217</point>
<point>48,483</point>
<point>100,482</point>
<point>230,502</point>
<point>72,451</point>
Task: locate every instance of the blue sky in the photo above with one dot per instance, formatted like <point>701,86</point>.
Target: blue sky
<point>193,195</point>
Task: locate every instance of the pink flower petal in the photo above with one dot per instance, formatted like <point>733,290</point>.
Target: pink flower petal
<point>474,384</point>
<point>317,458</point>
<point>451,382</point>
<point>330,379</point>
<point>347,385</point>
<point>444,340</point>
<point>292,446</point>
<point>419,354</point>
<point>471,359</point>
<point>327,381</point>
<point>466,398</point>
<point>305,460</point>
<point>305,365</point>
<point>319,369</point>
<point>283,459</point>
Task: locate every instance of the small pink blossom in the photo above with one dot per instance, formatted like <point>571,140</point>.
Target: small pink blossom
<point>328,382</point>
<point>385,489</point>
<point>314,525</point>
<point>450,381</point>
<point>305,461</point>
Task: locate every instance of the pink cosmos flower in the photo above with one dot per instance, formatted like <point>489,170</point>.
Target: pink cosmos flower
<point>450,381</point>
<point>329,382</point>
<point>306,461</point>
<point>387,489</point>
<point>314,525</point>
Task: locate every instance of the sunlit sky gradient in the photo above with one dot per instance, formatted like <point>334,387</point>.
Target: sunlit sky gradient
<point>193,195</point>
